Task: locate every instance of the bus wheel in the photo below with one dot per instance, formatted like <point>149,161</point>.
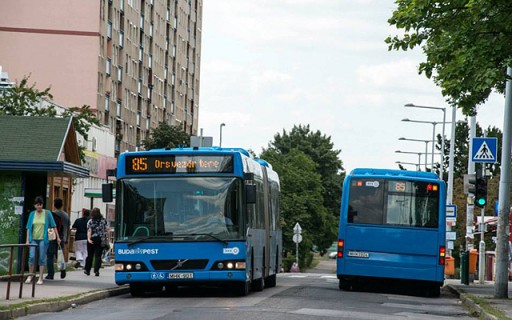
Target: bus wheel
<point>271,281</point>
<point>137,289</point>
<point>344,284</point>
<point>259,284</point>
<point>242,289</point>
<point>434,291</point>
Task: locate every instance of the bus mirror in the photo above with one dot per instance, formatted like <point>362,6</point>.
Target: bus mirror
<point>106,192</point>
<point>250,193</point>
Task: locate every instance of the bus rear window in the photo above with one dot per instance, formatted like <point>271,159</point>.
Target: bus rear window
<point>394,202</point>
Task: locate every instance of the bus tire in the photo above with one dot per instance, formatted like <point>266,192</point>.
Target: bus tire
<point>137,289</point>
<point>271,281</point>
<point>259,284</point>
<point>434,291</point>
<point>344,285</point>
<point>242,289</point>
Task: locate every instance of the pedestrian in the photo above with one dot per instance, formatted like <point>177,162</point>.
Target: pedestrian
<point>62,220</point>
<point>97,237</point>
<point>80,226</point>
<point>40,223</point>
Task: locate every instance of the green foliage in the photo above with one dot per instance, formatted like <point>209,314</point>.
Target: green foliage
<point>461,150</point>
<point>23,100</point>
<point>166,136</point>
<point>466,43</point>
<point>311,179</point>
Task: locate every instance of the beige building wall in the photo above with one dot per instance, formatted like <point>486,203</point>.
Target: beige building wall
<point>55,43</point>
<point>136,62</point>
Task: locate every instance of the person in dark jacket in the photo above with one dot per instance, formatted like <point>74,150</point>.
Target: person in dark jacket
<point>97,229</point>
<point>80,226</point>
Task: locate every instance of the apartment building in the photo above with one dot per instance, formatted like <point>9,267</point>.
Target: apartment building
<point>135,62</point>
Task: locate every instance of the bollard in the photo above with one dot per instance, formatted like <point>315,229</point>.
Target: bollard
<point>464,267</point>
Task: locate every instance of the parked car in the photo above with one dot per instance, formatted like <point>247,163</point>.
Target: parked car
<point>333,254</point>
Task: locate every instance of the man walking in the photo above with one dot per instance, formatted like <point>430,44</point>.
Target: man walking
<point>63,229</point>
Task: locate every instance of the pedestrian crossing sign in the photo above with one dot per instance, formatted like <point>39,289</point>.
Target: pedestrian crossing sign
<point>484,150</point>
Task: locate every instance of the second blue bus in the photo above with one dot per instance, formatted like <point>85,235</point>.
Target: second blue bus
<point>392,227</point>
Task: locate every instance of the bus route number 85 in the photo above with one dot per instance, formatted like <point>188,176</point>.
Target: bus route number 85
<point>400,186</point>
<point>139,164</point>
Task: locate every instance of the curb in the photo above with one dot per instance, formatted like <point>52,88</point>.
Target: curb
<point>56,306</point>
<point>466,300</point>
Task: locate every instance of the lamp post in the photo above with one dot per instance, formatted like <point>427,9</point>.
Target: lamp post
<point>412,105</point>
<point>220,135</point>
<point>426,148</point>
<point>410,163</point>
<point>433,123</point>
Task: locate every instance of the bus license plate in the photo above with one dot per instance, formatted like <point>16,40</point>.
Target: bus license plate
<point>181,275</point>
<point>358,254</point>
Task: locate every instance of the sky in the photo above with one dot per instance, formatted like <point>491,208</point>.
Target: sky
<point>269,65</point>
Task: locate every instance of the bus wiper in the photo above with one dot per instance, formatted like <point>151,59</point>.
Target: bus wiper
<point>166,235</point>
<point>204,234</point>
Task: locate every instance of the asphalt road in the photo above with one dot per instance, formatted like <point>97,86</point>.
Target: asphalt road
<point>298,296</point>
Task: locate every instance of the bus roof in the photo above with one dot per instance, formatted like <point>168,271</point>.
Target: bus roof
<point>393,172</point>
<point>206,150</point>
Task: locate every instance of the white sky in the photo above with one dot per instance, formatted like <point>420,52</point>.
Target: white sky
<point>268,65</point>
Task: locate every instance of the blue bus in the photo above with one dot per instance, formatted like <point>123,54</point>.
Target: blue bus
<point>196,216</point>
<point>392,227</point>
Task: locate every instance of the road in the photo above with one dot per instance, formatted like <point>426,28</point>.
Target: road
<point>297,296</point>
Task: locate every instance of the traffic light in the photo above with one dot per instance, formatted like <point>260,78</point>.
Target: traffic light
<point>481,191</point>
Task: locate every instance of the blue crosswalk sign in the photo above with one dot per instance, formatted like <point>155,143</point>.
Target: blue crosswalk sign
<point>484,150</point>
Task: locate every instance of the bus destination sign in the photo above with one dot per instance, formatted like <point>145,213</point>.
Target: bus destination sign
<point>165,164</point>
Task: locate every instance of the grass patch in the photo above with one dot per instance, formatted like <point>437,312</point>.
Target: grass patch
<point>38,301</point>
<point>484,303</point>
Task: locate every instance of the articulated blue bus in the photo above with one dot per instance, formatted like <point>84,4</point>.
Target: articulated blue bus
<point>196,216</point>
<point>392,227</point>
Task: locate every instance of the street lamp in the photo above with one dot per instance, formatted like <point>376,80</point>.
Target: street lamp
<point>220,135</point>
<point>426,148</point>
<point>433,123</point>
<point>410,163</point>
<point>410,152</point>
<point>412,105</point>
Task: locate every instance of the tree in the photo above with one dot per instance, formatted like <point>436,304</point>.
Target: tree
<point>467,44</point>
<point>468,49</point>
<point>23,100</point>
<point>461,151</point>
<point>301,200</point>
<point>319,148</point>
<point>166,136</point>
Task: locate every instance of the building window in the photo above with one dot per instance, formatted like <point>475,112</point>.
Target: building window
<point>121,5</point>
<point>151,30</point>
<point>139,87</point>
<point>174,50</point>
<point>118,109</point>
<point>109,30</point>
<point>141,22</point>
<point>107,103</point>
<point>119,74</point>
<point>138,119</point>
<point>172,107</point>
<point>150,61</point>
<point>121,39</point>
<point>107,67</point>
<point>175,22</point>
<point>173,79</point>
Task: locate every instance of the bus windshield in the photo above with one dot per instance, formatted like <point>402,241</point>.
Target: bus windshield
<point>180,209</point>
<point>394,202</point>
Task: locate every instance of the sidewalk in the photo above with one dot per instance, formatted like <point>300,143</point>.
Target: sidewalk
<point>77,288</point>
<point>477,296</point>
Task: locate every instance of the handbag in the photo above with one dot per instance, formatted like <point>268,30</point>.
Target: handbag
<point>51,234</point>
<point>61,264</point>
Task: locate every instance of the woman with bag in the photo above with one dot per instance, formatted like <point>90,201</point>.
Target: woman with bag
<point>97,235</point>
<point>41,228</point>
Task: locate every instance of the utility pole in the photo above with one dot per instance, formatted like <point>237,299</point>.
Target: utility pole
<point>502,255</point>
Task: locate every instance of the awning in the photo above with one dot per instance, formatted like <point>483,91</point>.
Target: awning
<point>53,168</point>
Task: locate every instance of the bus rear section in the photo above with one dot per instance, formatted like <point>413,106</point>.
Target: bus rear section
<point>392,227</point>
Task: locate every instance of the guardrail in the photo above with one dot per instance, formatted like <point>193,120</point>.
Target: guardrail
<point>21,275</point>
